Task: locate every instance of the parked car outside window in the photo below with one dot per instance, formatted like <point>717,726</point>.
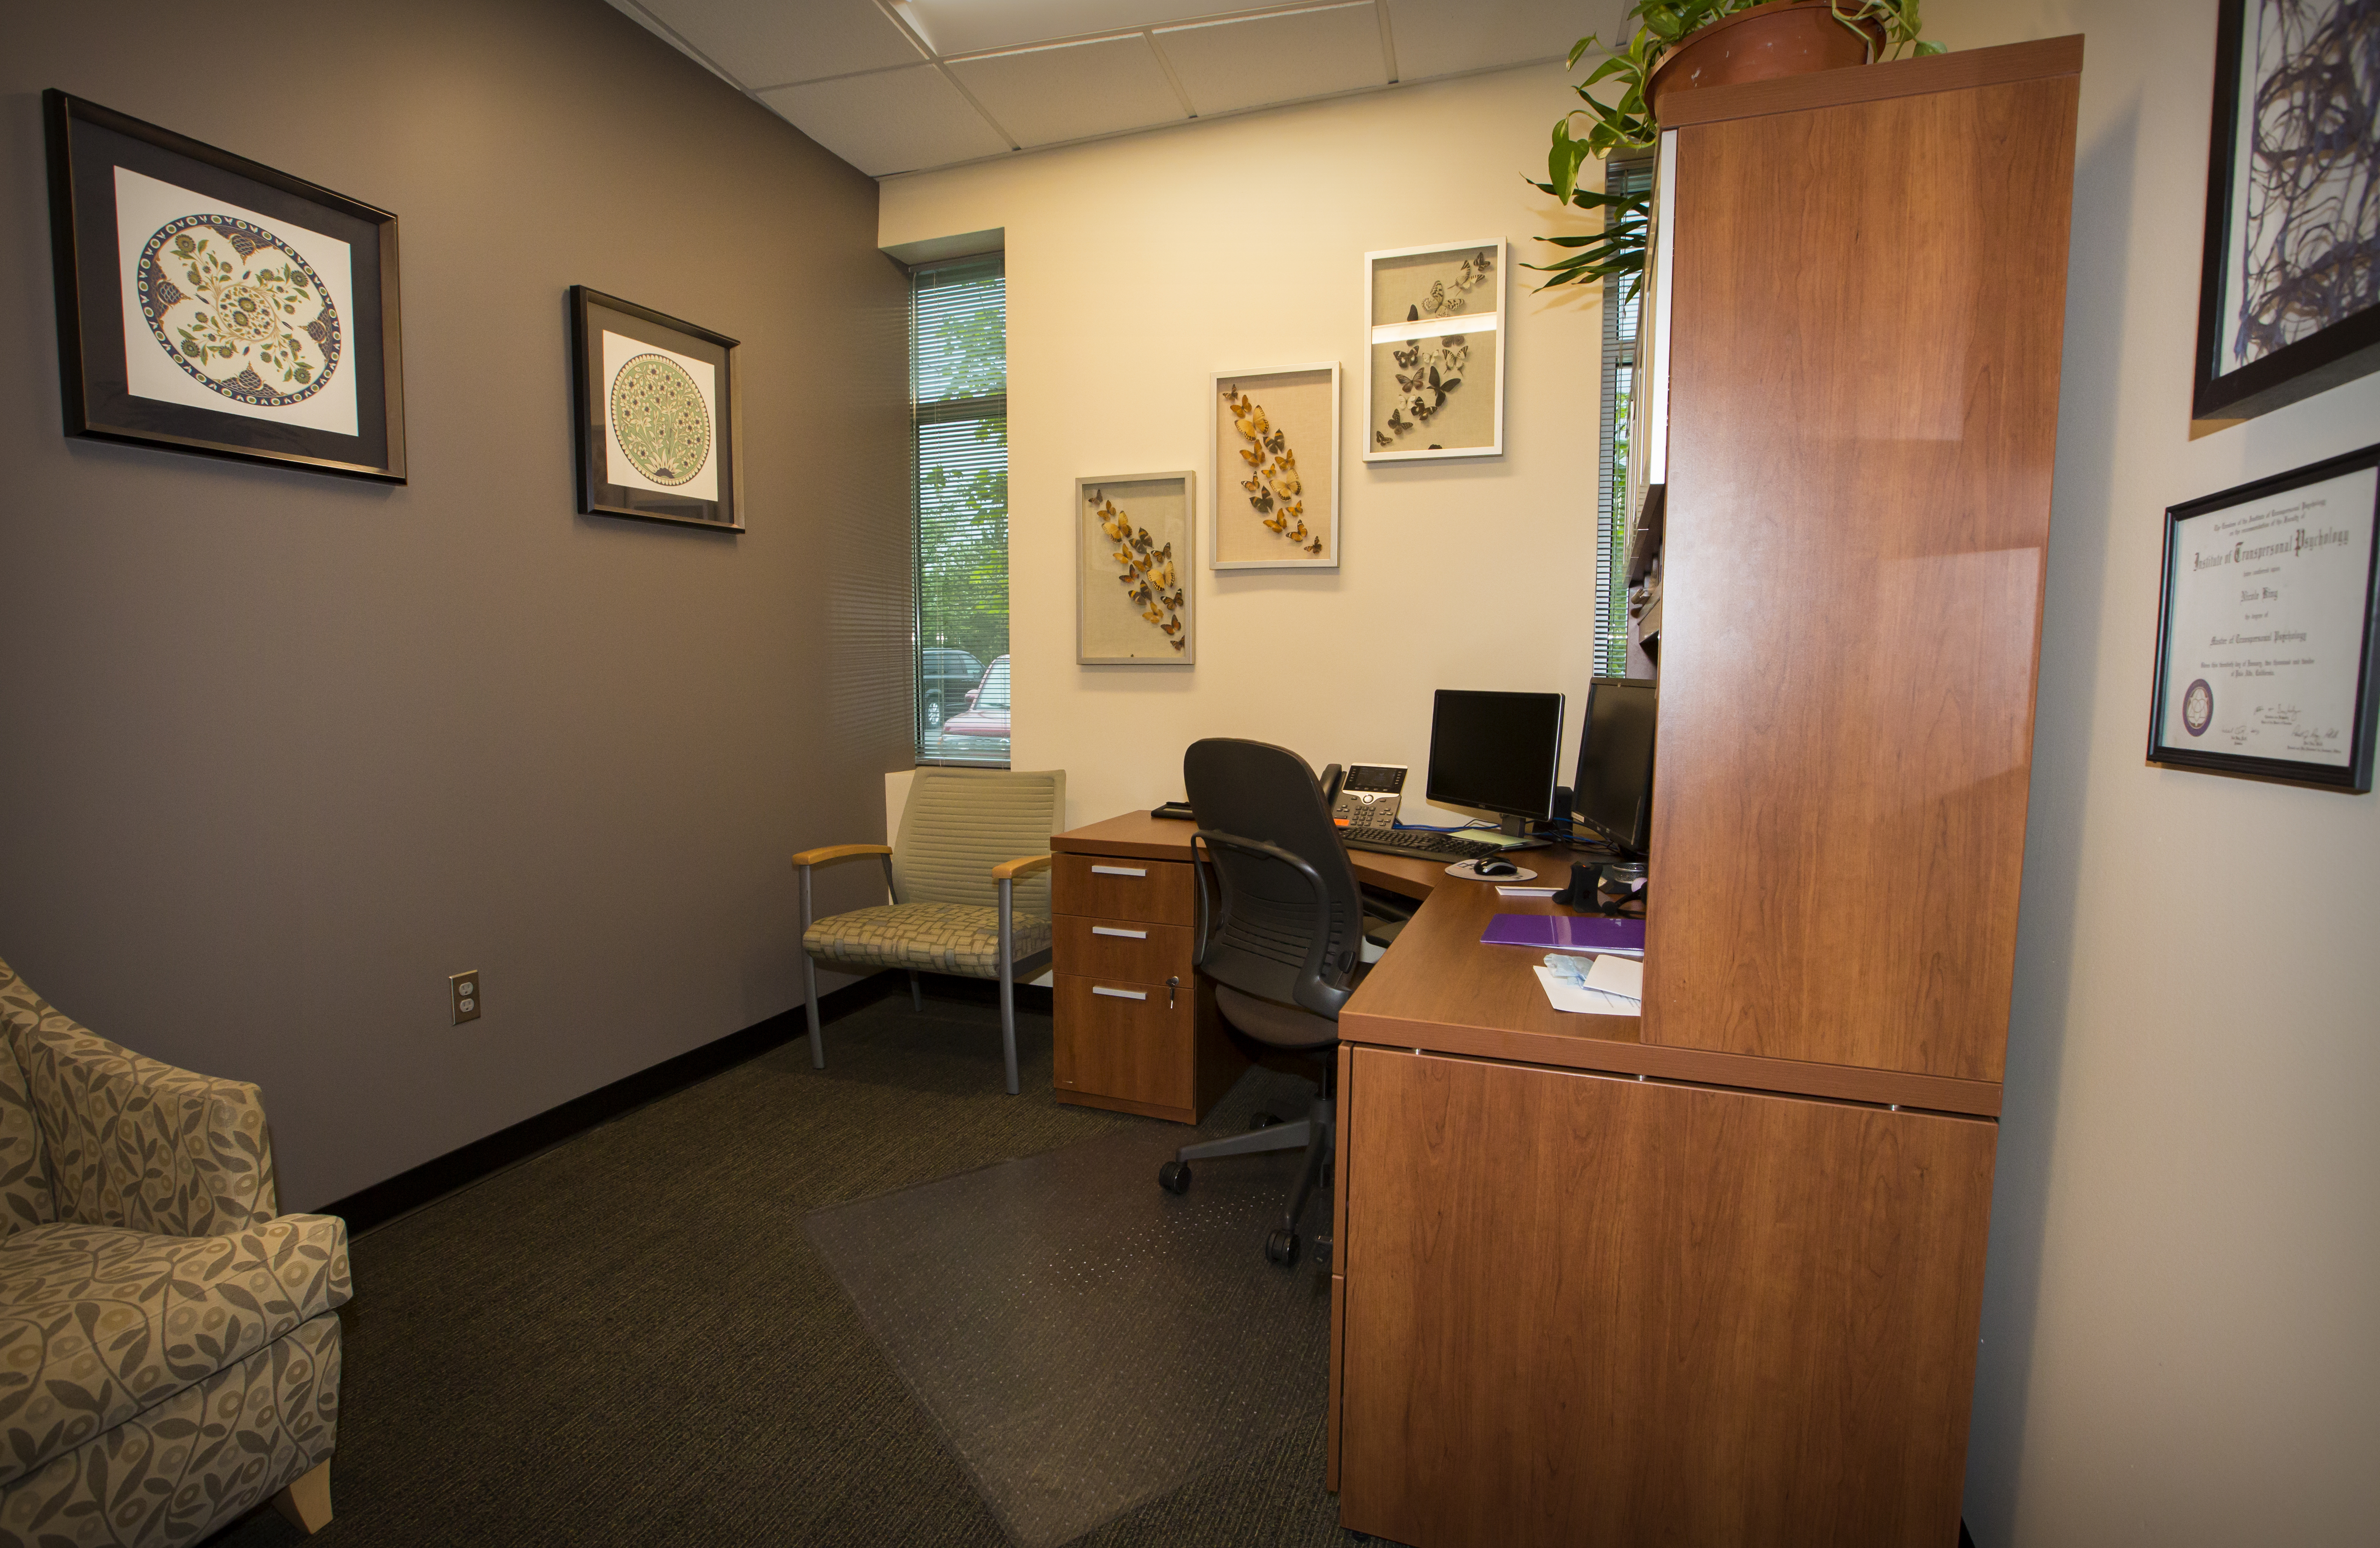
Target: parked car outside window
<point>987,707</point>
<point>944,677</point>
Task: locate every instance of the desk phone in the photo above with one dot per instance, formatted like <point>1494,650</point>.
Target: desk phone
<point>1367,795</point>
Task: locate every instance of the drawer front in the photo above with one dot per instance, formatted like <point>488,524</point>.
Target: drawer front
<point>1120,1039</point>
<point>1108,887</point>
<point>1112,948</point>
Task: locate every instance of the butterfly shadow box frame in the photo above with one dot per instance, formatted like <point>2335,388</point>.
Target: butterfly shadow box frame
<point>210,304</point>
<point>1136,569</point>
<point>1273,466</point>
<point>1434,342</point>
<point>657,411</point>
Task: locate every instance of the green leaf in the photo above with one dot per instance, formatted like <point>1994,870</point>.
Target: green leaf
<point>1929,47</point>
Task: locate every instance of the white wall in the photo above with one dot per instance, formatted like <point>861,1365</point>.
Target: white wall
<point>1138,266</point>
<point>2182,1327</point>
<point>2182,1335</point>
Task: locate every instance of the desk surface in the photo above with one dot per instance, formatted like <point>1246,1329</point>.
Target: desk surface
<point>1440,990</point>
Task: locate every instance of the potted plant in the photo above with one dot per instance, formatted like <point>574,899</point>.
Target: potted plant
<point>1681,45</point>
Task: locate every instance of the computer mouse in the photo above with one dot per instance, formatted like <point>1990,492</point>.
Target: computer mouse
<point>1494,867</point>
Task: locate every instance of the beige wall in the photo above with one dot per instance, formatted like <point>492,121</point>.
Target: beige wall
<point>278,751</point>
<point>2180,1341</point>
<point>1136,267</point>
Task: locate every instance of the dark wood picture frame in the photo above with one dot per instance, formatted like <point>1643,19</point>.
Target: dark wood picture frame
<point>2346,349</point>
<point>592,313</point>
<point>2354,777</point>
<point>88,144</point>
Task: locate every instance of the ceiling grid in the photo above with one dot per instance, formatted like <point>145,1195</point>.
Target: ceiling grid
<point>898,86</point>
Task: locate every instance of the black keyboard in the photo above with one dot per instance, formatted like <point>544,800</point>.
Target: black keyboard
<point>1419,845</point>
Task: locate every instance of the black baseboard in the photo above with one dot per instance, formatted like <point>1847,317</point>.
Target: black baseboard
<point>1964,1541</point>
<point>408,1190</point>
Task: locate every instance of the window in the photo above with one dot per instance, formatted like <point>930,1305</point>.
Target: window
<point>958,355</point>
<point>1621,312</point>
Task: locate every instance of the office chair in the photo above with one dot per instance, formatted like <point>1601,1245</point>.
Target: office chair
<point>1282,942</point>
<point>960,904</point>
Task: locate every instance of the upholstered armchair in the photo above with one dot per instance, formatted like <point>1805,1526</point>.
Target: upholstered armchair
<point>968,879</point>
<point>169,1347</point>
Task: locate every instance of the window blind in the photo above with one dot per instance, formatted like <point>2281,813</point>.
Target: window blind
<point>1622,312</point>
<point>959,393</point>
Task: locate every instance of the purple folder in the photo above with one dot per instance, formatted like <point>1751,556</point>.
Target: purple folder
<point>1565,933</point>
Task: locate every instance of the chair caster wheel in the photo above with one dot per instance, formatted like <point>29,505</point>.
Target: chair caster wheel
<point>1281,1247</point>
<point>1174,1176</point>
<point>1264,1120</point>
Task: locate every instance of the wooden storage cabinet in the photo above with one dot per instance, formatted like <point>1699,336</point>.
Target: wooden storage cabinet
<point>1135,1027</point>
<point>1691,1315</point>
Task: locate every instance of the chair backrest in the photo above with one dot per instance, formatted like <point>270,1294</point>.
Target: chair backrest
<point>958,824</point>
<point>1289,923</point>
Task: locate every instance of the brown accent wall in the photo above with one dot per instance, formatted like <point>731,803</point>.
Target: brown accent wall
<point>279,751</point>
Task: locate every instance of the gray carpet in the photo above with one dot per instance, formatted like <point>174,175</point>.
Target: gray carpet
<point>630,1338</point>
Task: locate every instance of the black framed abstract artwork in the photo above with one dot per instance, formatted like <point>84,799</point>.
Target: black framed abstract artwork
<point>657,415</point>
<point>2268,629</point>
<point>207,303</point>
<point>2289,290</point>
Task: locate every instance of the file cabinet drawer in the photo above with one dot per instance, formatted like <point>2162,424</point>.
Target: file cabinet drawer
<point>1111,887</point>
<point>1123,1042</point>
<point>1123,949</point>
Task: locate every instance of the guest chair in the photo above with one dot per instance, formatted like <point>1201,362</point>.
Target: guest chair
<point>1282,940</point>
<point>957,905</point>
<point>169,1340</point>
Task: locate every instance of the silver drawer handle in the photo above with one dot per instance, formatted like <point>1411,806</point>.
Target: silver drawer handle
<point>1109,930</point>
<point>1118,993</point>
<point>1118,871</point>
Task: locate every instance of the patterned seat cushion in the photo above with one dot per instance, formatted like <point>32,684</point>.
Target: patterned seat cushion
<point>172,1473</point>
<point>930,937</point>
<point>98,1323</point>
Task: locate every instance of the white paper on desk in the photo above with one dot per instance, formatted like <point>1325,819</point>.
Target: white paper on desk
<point>1615,974</point>
<point>1588,1002</point>
<point>1526,892</point>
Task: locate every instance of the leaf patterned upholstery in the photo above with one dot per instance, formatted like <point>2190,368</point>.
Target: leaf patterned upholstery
<point>208,1455</point>
<point>169,1345</point>
<point>929,937</point>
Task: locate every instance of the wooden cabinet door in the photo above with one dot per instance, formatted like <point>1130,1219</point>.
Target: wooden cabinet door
<point>1597,1312</point>
<point>1131,1041</point>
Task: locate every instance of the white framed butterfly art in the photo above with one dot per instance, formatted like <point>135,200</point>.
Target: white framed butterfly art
<point>1273,465</point>
<point>1433,327</point>
<point>1135,559</point>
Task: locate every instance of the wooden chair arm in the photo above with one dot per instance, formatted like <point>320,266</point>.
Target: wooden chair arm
<point>835,852</point>
<point>1009,871</point>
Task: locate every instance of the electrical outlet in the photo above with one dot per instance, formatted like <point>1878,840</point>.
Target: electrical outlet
<point>465,996</point>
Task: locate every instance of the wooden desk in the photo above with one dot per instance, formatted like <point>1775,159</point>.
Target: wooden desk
<point>1590,1289</point>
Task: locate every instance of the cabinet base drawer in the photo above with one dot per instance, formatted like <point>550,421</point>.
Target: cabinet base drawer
<point>1123,950</point>
<point>1123,1040</point>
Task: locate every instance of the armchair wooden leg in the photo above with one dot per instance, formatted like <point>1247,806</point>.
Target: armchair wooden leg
<point>306,1503</point>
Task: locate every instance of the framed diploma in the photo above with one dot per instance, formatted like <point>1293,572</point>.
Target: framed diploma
<point>2266,643</point>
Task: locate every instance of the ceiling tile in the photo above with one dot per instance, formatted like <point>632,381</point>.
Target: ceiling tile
<point>764,45</point>
<point>970,26</point>
<point>1446,37</point>
<point>1231,65</point>
<point>1044,95</point>
<point>893,121</point>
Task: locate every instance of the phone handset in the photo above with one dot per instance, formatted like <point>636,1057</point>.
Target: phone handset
<point>1330,781</point>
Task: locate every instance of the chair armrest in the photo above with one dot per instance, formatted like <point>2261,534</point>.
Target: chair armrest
<point>136,1144</point>
<point>1010,870</point>
<point>835,852</point>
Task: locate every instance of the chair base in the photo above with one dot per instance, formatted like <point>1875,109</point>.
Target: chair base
<point>1024,972</point>
<point>304,1501</point>
<point>1314,1134</point>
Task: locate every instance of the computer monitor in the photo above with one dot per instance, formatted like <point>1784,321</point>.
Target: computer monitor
<point>1498,751</point>
<point>1613,792</point>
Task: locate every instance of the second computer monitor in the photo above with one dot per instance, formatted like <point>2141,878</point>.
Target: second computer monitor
<point>1613,792</point>
<point>1500,751</point>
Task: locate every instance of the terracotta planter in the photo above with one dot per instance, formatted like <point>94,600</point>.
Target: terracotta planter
<point>1784,37</point>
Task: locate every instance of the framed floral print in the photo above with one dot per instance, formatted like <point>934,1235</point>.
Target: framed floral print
<point>207,303</point>
<point>1273,464</point>
<point>1434,372</point>
<point>657,419</point>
